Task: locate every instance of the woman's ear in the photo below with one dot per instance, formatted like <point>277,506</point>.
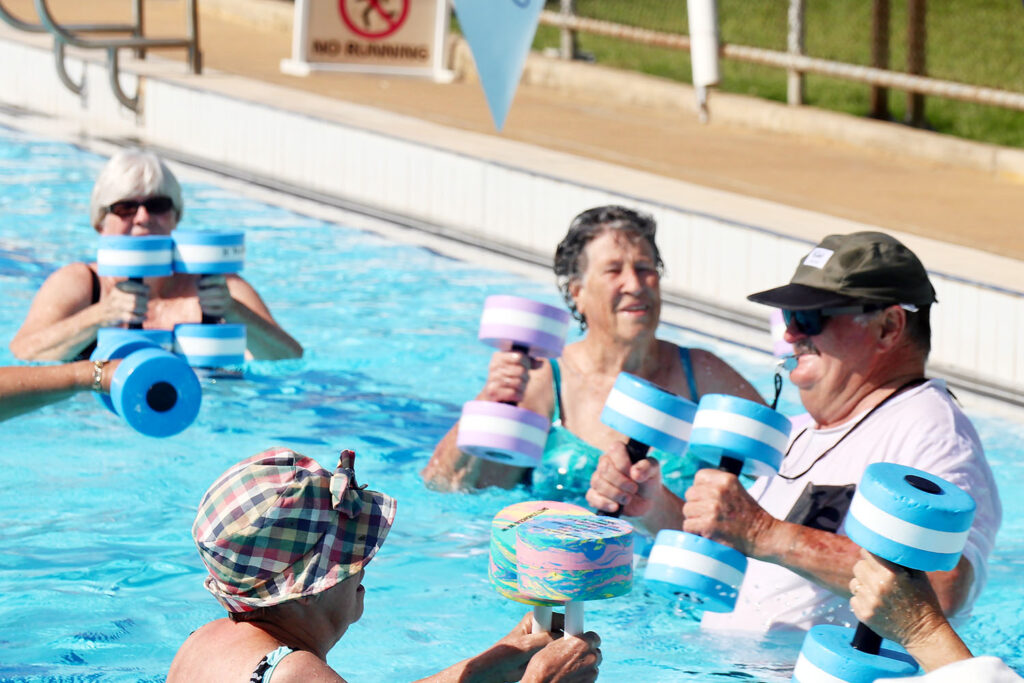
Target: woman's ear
<point>575,286</point>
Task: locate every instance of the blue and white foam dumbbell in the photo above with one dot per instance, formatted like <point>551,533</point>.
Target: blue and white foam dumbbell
<point>735,435</point>
<point>134,258</point>
<point>738,435</point>
<point>649,416</point>
<point>504,432</point>
<point>153,390</point>
<point>909,517</point>
<point>692,567</point>
<point>213,343</point>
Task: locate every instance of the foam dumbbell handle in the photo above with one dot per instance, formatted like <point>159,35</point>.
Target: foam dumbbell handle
<point>866,640</point>
<point>573,619</point>
<point>541,619</point>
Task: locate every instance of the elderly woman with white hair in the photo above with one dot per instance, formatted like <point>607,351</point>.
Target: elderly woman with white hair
<point>286,544</point>
<point>136,194</point>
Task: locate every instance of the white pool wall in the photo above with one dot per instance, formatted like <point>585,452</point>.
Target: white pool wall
<point>717,246</point>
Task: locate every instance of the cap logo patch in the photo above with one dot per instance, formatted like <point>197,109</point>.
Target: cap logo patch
<point>818,257</point>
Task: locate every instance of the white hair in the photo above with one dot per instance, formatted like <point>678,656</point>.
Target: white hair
<point>129,174</point>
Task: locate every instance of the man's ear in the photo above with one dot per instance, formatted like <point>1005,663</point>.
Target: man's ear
<point>891,325</point>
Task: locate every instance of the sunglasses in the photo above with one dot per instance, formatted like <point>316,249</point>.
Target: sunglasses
<point>126,208</point>
<point>813,322</point>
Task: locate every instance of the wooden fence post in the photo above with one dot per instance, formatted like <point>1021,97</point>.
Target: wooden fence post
<point>916,39</point>
<point>879,107</point>
<point>795,45</point>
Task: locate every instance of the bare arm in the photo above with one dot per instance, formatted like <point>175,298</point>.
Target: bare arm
<point>23,389</point>
<point>265,339</point>
<point>63,320</point>
<point>718,507</point>
<point>508,379</point>
<point>530,657</point>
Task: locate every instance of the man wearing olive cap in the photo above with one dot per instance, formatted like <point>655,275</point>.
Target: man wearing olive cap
<point>857,314</point>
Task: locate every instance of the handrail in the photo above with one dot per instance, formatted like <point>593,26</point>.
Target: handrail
<point>22,25</point>
<point>69,35</point>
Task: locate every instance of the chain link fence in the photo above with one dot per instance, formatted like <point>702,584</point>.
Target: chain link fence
<point>976,46</point>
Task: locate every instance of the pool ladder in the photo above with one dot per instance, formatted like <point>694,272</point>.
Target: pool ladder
<point>73,35</point>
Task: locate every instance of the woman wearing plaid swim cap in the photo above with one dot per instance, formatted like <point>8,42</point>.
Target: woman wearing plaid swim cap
<point>286,544</point>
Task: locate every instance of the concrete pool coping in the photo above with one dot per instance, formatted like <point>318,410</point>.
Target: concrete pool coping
<point>515,198</point>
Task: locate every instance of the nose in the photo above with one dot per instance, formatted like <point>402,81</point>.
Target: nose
<point>791,335</point>
<point>631,281</point>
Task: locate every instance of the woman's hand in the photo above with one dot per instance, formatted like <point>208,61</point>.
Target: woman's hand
<point>566,660</point>
<point>125,304</point>
<point>619,483</point>
<point>507,376</point>
<point>214,296</point>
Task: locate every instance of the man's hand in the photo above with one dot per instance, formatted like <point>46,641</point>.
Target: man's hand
<point>719,508</point>
<point>618,483</point>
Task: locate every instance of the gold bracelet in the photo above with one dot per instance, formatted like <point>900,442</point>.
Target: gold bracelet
<point>97,375</point>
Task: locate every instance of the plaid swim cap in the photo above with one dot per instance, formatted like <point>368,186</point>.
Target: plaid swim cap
<point>278,526</point>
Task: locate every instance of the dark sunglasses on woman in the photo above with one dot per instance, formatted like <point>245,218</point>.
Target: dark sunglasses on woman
<point>126,208</point>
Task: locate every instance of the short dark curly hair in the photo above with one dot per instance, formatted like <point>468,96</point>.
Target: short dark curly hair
<point>570,261</point>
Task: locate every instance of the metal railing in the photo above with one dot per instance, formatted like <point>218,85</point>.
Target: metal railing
<point>795,63</point>
<point>73,34</point>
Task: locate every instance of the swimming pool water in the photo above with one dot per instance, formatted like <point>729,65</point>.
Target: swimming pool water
<point>99,580</point>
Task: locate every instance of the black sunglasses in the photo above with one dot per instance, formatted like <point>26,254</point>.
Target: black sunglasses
<point>813,322</point>
<point>126,208</point>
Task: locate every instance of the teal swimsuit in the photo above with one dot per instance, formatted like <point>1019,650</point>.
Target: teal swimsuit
<point>569,461</point>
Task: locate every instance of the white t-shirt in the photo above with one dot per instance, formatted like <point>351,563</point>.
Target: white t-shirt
<point>976,670</point>
<point>920,427</point>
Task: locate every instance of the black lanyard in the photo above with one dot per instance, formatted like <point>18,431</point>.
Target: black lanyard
<point>902,388</point>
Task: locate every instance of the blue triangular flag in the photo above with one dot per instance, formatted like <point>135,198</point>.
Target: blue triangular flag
<point>499,33</point>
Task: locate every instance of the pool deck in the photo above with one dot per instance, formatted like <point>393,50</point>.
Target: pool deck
<point>791,174</point>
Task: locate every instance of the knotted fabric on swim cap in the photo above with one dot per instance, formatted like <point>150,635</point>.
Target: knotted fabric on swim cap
<point>278,526</point>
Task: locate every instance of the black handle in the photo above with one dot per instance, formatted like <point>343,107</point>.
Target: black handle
<point>731,465</point>
<point>637,451</point>
<point>135,326</point>
<point>866,640</point>
<point>212,319</point>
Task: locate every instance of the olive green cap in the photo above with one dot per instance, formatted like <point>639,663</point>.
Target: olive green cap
<point>869,267</point>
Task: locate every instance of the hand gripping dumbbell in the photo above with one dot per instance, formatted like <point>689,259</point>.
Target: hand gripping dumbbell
<point>734,435</point>
<point>213,343</point>
<point>913,519</point>
<point>649,416</point>
<point>504,432</point>
<point>135,258</point>
<point>570,560</point>
<point>503,570</point>
<point>156,392</point>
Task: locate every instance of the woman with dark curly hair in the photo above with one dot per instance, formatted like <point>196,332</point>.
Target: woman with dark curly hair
<point>609,270</point>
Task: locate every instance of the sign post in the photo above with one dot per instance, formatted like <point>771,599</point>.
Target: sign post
<point>397,37</point>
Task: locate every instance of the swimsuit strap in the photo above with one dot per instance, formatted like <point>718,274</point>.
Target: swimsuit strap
<point>556,379</point>
<point>265,669</point>
<point>684,358</point>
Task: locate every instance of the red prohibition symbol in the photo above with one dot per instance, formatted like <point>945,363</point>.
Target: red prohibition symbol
<point>373,19</point>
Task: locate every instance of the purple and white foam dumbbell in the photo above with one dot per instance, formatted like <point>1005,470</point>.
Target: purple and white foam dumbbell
<point>499,431</point>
